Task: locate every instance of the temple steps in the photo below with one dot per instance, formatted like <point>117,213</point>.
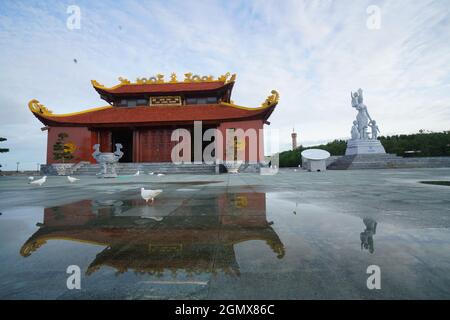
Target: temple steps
<point>145,168</point>
<point>386,161</point>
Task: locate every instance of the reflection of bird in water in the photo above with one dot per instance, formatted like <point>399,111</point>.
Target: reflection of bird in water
<point>158,219</point>
<point>367,235</point>
<point>147,213</point>
<point>149,194</point>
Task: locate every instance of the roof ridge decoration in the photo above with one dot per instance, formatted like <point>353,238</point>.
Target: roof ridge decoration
<point>270,101</point>
<point>159,79</point>
<point>36,107</point>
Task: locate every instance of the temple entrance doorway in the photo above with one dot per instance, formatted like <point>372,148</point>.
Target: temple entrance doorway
<point>123,136</point>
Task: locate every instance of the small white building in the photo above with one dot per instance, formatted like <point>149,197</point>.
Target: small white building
<point>315,159</point>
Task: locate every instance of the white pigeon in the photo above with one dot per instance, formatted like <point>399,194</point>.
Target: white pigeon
<point>30,178</point>
<point>72,179</point>
<point>40,181</point>
<point>149,194</point>
<point>151,173</point>
<point>137,173</point>
<point>160,174</point>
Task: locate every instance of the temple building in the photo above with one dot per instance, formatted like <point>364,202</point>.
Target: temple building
<point>142,116</point>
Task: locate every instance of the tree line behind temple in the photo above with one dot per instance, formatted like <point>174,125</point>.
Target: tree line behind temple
<point>434,144</point>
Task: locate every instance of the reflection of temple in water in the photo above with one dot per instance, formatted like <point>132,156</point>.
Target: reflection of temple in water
<point>198,235</point>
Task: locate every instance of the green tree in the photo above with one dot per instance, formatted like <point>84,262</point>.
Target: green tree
<point>2,150</point>
<point>422,144</point>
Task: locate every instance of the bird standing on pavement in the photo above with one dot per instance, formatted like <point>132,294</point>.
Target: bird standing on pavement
<point>72,179</point>
<point>149,194</point>
<point>40,181</point>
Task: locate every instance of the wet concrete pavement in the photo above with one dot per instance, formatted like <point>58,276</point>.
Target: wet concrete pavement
<point>293,235</point>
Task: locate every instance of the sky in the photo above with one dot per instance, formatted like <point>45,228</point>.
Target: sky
<point>314,53</point>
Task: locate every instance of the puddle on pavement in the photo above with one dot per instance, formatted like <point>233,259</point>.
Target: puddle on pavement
<point>437,183</point>
<point>213,244</point>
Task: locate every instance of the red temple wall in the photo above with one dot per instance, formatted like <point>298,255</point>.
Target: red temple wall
<point>80,137</point>
<point>257,125</point>
<point>153,145</point>
<point>150,144</point>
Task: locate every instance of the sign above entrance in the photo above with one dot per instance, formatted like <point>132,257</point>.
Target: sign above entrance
<point>165,100</point>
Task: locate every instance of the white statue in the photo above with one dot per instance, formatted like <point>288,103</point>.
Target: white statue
<point>355,132</point>
<point>363,117</point>
<point>374,129</point>
<point>361,141</point>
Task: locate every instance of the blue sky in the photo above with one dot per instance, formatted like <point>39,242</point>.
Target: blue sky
<point>313,52</point>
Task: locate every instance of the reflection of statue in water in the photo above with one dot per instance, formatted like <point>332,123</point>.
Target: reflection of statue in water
<point>367,235</point>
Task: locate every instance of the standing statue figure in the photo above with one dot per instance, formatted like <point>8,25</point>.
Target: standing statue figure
<point>355,132</point>
<point>361,141</point>
<point>374,129</point>
<point>363,116</point>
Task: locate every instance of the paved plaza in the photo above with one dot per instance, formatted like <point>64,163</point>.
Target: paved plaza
<point>292,235</point>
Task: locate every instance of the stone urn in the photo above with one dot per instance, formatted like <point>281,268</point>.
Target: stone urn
<point>233,166</point>
<point>107,161</point>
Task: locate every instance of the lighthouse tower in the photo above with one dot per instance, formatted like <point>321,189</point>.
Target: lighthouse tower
<point>294,139</point>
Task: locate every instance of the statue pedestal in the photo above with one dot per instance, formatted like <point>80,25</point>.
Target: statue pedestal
<point>361,146</point>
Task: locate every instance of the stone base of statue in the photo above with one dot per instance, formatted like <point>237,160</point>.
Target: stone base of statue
<point>364,146</point>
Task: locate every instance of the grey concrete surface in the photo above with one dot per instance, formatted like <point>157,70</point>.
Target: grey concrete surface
<point>294,235</point>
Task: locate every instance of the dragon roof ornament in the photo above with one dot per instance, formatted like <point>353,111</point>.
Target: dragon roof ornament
<point>159,79</point>
<point>37,107</point>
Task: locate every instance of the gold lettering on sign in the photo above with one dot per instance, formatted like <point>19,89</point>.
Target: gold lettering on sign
<point>165,100</point>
